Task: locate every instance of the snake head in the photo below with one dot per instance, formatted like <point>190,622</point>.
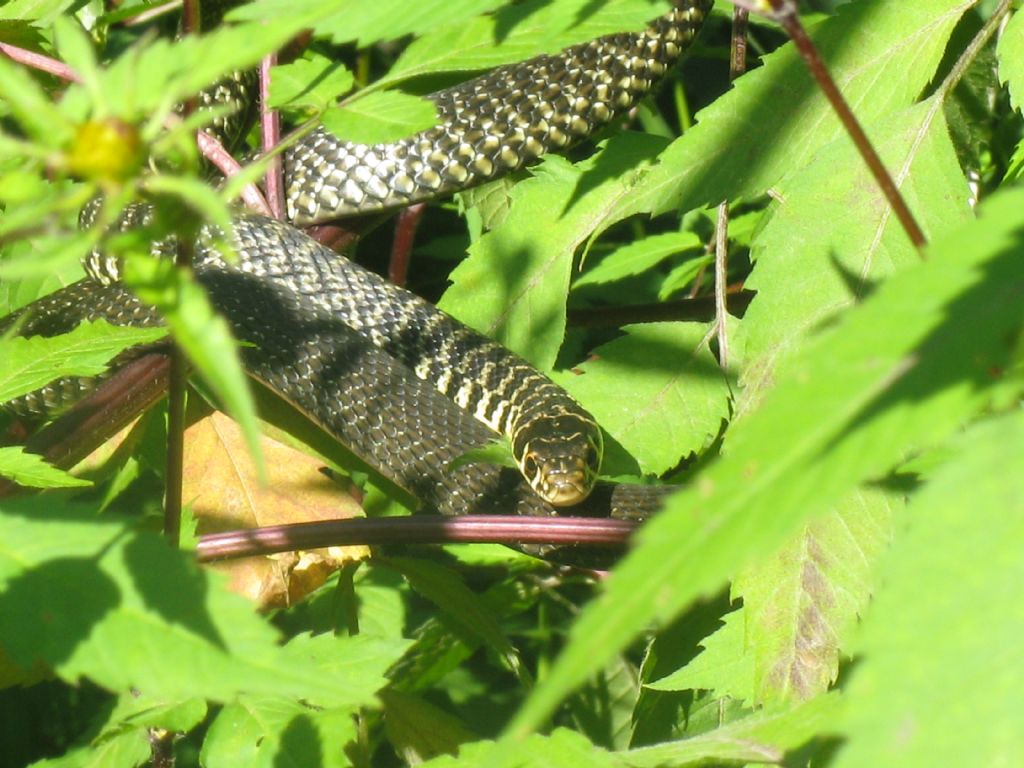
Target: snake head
<point>561,458</point>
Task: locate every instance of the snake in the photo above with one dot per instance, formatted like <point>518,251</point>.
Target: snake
<point>354,353</point>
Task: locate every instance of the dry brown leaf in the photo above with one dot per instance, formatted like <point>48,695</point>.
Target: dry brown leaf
<point>221,487</point>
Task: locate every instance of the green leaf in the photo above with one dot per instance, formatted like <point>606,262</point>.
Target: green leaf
<point>32,471</point>
<point>680,278</point>
<point>91,599</point>
<point>272,731</point>
<point>314,82</point>
<point>763,737</point>
<point>800,603</point>
<point>392,19</point>
<point>380,117</point>
<point>517,33</point>
<point>657,390</point>
<point>901,371</point>
<point>805,273</point>
<point>881,54</point>
<point>950,580</point>
<point>724,666</point>
<point>76,50</point>
<point>35,112</point>
<point>204,336</point>
<point>1011,58</point>
<point>513,285</point>
<point>560,749</point>
<point>419,730</point>
<point>30,364</point>
<point>464,611</point>
<point>497,451</point>
<point>41,10</point>
<point>638,257</point>
<point>124,750</point>
<point>140,710</point>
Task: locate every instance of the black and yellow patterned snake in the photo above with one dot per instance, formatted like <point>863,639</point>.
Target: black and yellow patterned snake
<point>352,352</point>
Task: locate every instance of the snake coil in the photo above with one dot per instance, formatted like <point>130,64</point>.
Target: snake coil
<point>349,350</point>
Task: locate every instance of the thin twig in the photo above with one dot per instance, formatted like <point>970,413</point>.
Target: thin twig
<point>737,66</point>
<point>174,476</point>
<point>151,13</point>
<point>469,529</point>
<point>721,269</point>
<point>700,309</point>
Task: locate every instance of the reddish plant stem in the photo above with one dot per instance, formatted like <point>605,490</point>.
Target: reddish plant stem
<point>40,62</point>
<point>401,249</point>
<point>786,15</point>
<point>213,151</point>
<point>470,529</point>
<point>118,400</point>
<point>270,128</point>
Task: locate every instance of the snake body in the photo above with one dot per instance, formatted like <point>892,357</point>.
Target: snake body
<point>491,125</point>
<point>351,351</point>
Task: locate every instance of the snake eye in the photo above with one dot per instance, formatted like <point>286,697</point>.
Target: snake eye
<point>530,468</point>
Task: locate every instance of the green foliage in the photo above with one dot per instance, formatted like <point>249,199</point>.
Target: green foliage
<point>844,545</point>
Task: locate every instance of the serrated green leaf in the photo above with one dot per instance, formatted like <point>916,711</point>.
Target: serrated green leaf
<point>562,748</point>
<point>30,364</point>
<point>154,76</point>
<point>801,603</point>
<point>723,667</point>
<point>638,257</point>
<point>656,390</point>
<point>34,10</point>
<point>1011,58</point>
<point>32,471</point>
<point>125,750</point>
<point>314,82</point>
<point>261,731</point>
<point>354,20</point>
<point>419,730</point>
<point>380,117</point>
<point>195,194</point>
<point>392,19</point>
<point>497,451</point>
<point>91,599</point>
<point>35,112</point>
<point>900,372</point>
<point>881,54</point>
<point>764,737</point>
<point>805,273</point>
<point>464,611</point>
<point>140,710</point>
<point>517,33</point>
<point>513,285</point>
<point>76,50</point>
<point>681,277</point>
<point>946,619</point>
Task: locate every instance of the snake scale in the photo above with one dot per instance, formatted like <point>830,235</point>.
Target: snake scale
<point>352,352</point>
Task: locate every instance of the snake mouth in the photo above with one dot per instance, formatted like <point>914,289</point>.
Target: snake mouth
<point>565,485</point>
